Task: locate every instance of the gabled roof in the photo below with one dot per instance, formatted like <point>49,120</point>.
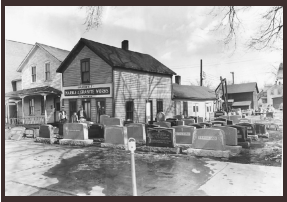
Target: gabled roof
<point>117,57</point>
<point>192,92</point>
<point>242,88</point>
<point>57,53</point>
<point>33,91</point>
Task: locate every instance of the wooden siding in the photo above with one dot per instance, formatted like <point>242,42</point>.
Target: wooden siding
<point>39,58</point>
<point>109,106</point>
<point>140,86</point>
<point>100,71</point>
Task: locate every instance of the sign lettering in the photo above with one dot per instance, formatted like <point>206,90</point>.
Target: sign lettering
<point>207,138</point>
<point>84,92</point>
<point>183,133</point>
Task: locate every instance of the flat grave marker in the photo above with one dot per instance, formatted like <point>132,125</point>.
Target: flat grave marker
<point>208,139</point>
<point>184,134</point>
<point>161,137</point>
<point>75,131</point>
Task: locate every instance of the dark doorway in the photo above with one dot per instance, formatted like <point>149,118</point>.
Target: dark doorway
<point>101,108</point>
<point>87,108</point>
<point>72,107</point>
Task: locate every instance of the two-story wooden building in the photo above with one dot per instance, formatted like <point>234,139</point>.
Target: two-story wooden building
<point>115,81</point>
<point>38,101</point>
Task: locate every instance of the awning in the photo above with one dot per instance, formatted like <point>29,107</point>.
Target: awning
<point>243,103</point>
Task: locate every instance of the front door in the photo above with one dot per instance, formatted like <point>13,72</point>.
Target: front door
<point>101,108</point>
<point>149,116</point>
<point>57,109</point>
<point>87,108</point>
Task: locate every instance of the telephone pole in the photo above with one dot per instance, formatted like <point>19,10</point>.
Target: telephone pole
<point>200,72</point>
<point>232,77</point>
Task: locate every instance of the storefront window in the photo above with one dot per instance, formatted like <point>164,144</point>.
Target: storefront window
<point>159,106</point>
<point>85,70</point>
<point>129,110</point>
<point>31,106</point>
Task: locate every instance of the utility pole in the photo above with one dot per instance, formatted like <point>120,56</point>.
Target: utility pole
<point>232,77</point>
<point>200,72</point>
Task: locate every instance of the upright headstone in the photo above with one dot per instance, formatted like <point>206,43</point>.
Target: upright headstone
<point>230,135</point>
<point>136,131</point>
<point>221,119</point>
<point>17,133</point>
<point>184,134</point>
<point>46,131</point>
<point>250,128</point>
<point>193,117</point>
<point>218,113</point>
<point>161,137</point>
<point>29,133</point>
<point>178,117</point>
<point>112,122</point>
<point>209,139</point>
<point>218,123</point>
<point>188,121</point>
<point>235,118</point>
<point>211,116</point>
<point>205,124</point>
<point>96,131</point>
<point>241,132</point>
<point>229,122</point>
<point>180,123</point>
<point>163,124</point>
<point>102,117</point>
<point>200,119</point>
<point>196,125</point>
<point>172,121</point>
<point>224,117</point>
<point>245,120</point>
<point>261,130</point>
<point>160,117</point>
<point>75,131</point>
<point>116,135</point>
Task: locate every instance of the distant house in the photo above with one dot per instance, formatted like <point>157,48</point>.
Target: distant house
<point>243,95</point>
<point>115,81</point>
<point>15,53</point>
<point>38,100</point>
<point>193,100</point>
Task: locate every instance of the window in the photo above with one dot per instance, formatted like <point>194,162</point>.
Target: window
<point>85,70</point>
<point>185,109</point>
<point>195,108</point>
<point>31,106</point>
<point>34,74</point>
<point>159,106</point>
<point>130,110</point>
<point>42,106</point>
<point>47,71</point>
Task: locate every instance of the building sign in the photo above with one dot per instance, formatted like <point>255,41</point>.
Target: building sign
<point>88,91</point>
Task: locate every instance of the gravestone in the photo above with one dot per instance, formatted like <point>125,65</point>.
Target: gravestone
<point>230,135</point>
<point>178,117</point>
<point>218,113</point>
<point>205,124</point>
<point>245,120</point>
<point>200,120</point>
<point>193,117</point>
<point>128,122</point>
<point>208,139</point>
<point>218,123</point>
<point>46,131</point>
<point>261,130</point>
<point>241,132</point>
<point>29,133</point>
<point>221,119</point>
<point>61,133</point>
<point>184,134</point>
<point>235,118</point>
<point>116,135</point>
<point>75,131</point>
<point>161,137</point>
<point>163,124</point>
<point>136,131</point>
<point>229,122</point>
<point>17,133</point>
<point>160,117</point>
<point>102,117</point>
<point>180,123</point>
<point>188,121</point>
<point>172,121</point>
<point>250,128</point>
<point>224,117</point>
<point>96,131</point>
<point>112,122</point>
<point>196,125</point>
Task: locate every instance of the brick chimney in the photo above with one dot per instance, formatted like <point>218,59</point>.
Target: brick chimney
<point>178,79</point>
<point>125,44</point>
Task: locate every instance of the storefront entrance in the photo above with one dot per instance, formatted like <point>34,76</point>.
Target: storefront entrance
<point>101,108</point>
<point>87,108</point>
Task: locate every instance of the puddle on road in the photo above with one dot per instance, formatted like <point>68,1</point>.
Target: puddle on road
<point>108,172</point>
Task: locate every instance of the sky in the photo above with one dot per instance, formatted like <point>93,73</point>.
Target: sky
<point>179,37</point>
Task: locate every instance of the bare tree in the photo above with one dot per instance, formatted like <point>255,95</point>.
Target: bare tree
<point>270,31</point>
<point>93,16</point>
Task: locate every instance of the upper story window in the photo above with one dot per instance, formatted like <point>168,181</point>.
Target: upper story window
<point>47,71</point>
<point>85,70</point>
<point>34,74</point>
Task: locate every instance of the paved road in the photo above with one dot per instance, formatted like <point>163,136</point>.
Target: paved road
<point>39,169</point>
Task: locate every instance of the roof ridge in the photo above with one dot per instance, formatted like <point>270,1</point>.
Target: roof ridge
<point>19,42</point>
<point>51,46</point>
